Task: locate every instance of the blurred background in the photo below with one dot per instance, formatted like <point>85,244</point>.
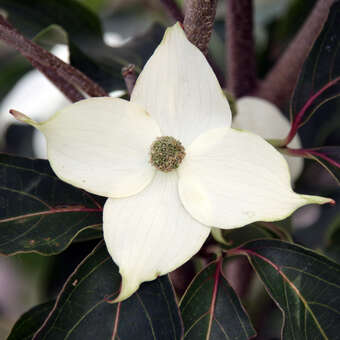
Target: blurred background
<point>29,279</point>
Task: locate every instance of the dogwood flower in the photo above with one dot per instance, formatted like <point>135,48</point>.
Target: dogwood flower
<point>263,118</point>
<point>169,164</point>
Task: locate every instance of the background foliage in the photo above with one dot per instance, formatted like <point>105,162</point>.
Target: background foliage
<point>287,278</point>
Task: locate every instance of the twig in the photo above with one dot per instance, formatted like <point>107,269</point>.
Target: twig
<point>241,59</point>
<point>130,77</point>
<point>66,88</point>
<point>198,22</point>
<point>173,10</point>
<point>47,61</point>
<point>280,82</point>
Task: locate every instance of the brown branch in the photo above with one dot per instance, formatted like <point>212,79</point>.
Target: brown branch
<point>241,60</point>
<point>66,88</point>
<point>173,10</point>
<point>198,22</point>
<point>280,82</point>
<point>198,25</point>
<point>48,61</point>
<point>130,77</point>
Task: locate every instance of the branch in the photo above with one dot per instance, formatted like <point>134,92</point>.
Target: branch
<point>241,58</point>
<point>198,25</point>
<point>173,10</point>
<point>66,88</point>
<point>280,82</point>
<point>58,71</point>
<point>198,22</point>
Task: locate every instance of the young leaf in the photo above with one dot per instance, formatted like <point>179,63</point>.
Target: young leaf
<point>83,311</point>
<point>40,213</point>
<point>304,284</point>
<point>211,310</point>
<point>30,322</point>
<point>319,80</point>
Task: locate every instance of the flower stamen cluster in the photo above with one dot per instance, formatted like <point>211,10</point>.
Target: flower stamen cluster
<point>166,153</point>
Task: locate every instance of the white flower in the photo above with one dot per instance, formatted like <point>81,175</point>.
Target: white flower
<point>34,93</point>
<point>263,118</point>
<point>154,221</point>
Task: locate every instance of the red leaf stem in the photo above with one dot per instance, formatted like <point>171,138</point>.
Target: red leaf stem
<point>296,124</point>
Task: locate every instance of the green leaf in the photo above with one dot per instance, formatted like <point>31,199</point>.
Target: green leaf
<point>235,237</point>
<point>83,311</point>
<point>40,213</point>
<point>319,80</point>
<point>211,310</point>
<point>30,322</point>
<point>88,51</point>
<point>328,157</point>
<point>304,284</point>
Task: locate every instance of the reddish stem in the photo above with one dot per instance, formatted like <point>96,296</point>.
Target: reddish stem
<point>214,295</point>
<point>297,121</point>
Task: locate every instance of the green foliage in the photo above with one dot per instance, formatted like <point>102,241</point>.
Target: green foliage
<point>320,69</point>
<point>39,212</point>
<point>305,284</point>
<point>211,309</point>
<point>83,309</point>
<point>30,322</point>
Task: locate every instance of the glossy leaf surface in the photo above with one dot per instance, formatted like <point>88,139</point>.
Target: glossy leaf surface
<point>30,322</point>
<point>38,212</point>
<point>319,80</point>
<point>212,311</point>
<point>82,310</point>
<point>235,237</point>
<point>304,284</point>
<point>328,157</point>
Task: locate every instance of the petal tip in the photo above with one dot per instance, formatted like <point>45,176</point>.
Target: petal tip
<point>319,200</point>
<point>22,117</point>
<point>128,287</point>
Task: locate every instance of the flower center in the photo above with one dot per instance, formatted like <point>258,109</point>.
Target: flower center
<point>166,153</point>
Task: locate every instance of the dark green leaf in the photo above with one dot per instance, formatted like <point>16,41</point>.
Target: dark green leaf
<point>319,80</point>
<point>305,285</point>
<point>328,157</point>
<point>82,310</point>
<point>235,237</point>
<point>212,311</point>
<point>30,322</point>
<point>40,213</point>
<point>88,51</point>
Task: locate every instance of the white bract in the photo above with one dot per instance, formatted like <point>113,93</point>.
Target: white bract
<point>263,118</point>
<point>154,221</point>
